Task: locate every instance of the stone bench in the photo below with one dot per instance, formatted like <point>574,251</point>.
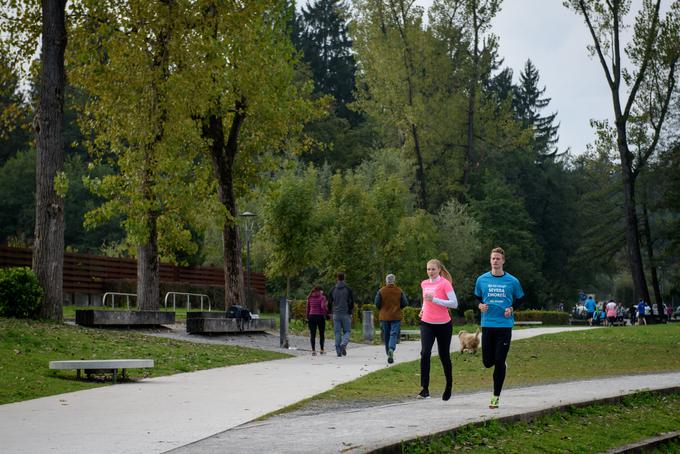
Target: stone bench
<point>216,323</point>
<point>101,317</point>
<point>522,322</point>
<point>407,333</point>
<point>92,366</point>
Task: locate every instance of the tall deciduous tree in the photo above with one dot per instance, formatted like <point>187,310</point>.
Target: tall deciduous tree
<point>124,57</point>
<point>392,50</point>
<point>291,225</point>
<point>468,22</point>
<point>240,67</point>
<point>14,111</point>
<point>653,53</point>
<point>48,245</point>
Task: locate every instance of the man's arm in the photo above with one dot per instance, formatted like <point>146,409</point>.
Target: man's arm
<point>378,299</point>
<point>404,301</point>
<point>329,298</point>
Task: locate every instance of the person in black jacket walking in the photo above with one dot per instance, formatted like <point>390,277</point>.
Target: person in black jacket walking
<point>341,303</point>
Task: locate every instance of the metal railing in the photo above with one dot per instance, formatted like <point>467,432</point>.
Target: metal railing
<point>113,298</point>
<point>188,295</point>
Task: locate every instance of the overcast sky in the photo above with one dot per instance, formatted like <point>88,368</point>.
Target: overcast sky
<point>555,40</point>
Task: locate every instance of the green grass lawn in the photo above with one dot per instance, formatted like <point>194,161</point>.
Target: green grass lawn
<point>543,359</point>
<point>26,347</point>
<point>590,429</point>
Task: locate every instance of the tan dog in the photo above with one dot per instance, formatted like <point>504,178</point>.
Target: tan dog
<point>469,341</point>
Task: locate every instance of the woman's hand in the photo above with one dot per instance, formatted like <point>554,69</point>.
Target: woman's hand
<point>508,312</point>
<point>428,297</point>
<point>483,307</point>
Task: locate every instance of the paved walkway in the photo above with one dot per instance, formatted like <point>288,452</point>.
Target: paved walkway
<point>159,414</point>
<point>367,429</point>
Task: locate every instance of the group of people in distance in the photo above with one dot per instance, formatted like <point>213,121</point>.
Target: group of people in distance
<point>610,313</point>
<point>496,291</point>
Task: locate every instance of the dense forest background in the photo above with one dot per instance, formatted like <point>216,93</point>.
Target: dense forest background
<point>415,142</point>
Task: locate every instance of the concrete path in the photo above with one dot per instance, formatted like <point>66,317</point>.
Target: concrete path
<point>159,414</point>
<point>364,430</point>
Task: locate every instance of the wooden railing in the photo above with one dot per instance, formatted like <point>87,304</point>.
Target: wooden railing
<point>88,273</point>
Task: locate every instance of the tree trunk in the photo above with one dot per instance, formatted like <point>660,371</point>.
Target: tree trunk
<point>632,230</point>
<point>48,246</point>
<point>148,261</point>
<point>650,252</point>
<point>468,164</point>
<point>223,153</point>
<point>421,189</point>
<point>148,270</point>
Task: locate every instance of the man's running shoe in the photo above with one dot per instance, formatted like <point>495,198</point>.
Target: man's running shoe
<point>494,402</point>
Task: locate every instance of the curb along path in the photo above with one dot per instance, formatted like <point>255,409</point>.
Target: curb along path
<point>159,414</point>
<point>369,429</point>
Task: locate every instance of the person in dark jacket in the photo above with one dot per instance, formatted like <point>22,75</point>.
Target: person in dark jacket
<point>317,308</point>
<point>390,300</point>
<point>341,303</point>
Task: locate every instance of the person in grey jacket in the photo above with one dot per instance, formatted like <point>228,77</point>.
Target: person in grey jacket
<point>341,304</point>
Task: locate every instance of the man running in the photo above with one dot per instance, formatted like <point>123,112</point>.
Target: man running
<point>497,291</point>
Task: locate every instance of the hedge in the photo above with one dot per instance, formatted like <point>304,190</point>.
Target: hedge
<point>20,293</point>
<point>547,317</point>
<point>410,316</point>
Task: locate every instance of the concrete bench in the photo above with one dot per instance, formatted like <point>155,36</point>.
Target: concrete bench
<point>407,333</point>
<point>92,366</point>
<point>522,322</point>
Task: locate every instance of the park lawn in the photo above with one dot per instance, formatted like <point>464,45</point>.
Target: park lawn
<point>543,359</point>
<point>590,429</point>
<point>26,347</point>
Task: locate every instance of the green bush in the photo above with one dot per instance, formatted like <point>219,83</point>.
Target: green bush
<point>469,317</point>
<point>410,316</point>
<point>20,293</point>
<point>547,317</point>
<point>376,313</point>
<point>298,309</point>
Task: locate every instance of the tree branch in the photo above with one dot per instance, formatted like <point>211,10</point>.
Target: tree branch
<point>645,61</point>
<point>596,41</point>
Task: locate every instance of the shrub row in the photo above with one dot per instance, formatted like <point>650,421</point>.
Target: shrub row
<point>20,293</point>
<point>547,317</point>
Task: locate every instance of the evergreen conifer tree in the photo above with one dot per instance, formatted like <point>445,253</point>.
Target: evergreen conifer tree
<point>321,33</point>
<point>528,103</point>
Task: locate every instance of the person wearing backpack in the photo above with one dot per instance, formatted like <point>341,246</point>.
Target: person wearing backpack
<point>341,304</point>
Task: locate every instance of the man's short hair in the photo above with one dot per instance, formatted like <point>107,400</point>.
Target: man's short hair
<point>390,278</point>
<point>341,276</point>
<point>498,250</point>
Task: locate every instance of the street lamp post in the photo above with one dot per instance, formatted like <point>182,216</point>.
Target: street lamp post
<point>249,222</point>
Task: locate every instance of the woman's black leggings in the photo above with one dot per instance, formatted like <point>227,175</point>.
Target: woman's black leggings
<point>314,322</point>
<point>428,333</point>
<point>495,347</point>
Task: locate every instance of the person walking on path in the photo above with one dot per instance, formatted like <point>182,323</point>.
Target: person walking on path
<point>590,309</point>
<point>341,302</point>
<point>390,300</point>
<point>435,323</point>
<point>642,313</point>
<point>497,291</point>
<point>317,308</point>
<point>611,312</point>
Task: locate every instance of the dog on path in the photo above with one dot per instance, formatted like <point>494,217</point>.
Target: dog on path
<point>469,341</point>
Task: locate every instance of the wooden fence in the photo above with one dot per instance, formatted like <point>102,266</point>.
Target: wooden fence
<point>89,273</point>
